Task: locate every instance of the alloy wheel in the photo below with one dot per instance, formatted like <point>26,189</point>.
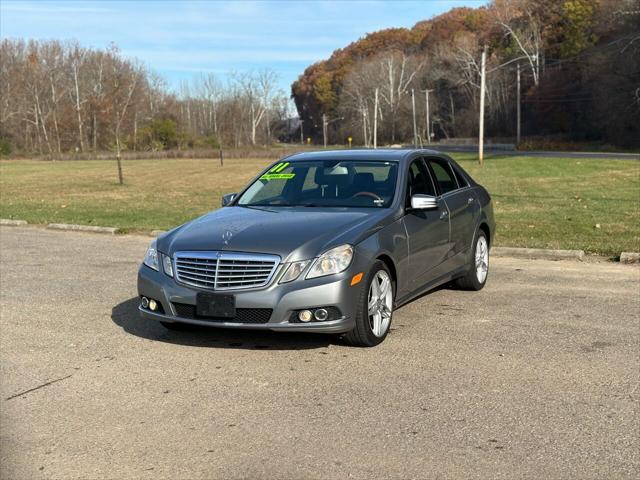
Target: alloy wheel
<point>482,259</point>
<point>380,303</point>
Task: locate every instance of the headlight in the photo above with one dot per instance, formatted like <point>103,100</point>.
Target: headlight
<point>332,261</point>
<point>293,271</point>
<point>151,257</point>
<point>167,265</point>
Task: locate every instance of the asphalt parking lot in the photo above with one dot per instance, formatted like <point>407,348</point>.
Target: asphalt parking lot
<point>535,376</point>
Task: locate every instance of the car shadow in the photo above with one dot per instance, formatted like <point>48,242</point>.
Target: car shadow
<point>126,316</point>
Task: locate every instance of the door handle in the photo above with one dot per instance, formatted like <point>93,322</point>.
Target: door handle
<point>470,200</point>
<point>444,215</point>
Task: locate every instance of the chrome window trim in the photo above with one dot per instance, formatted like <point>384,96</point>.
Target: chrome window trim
<point>452,192</point>
<point>217,256</point>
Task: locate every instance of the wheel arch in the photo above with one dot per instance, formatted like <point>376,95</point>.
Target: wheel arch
<point>388,261</point>
<point>486,230</point>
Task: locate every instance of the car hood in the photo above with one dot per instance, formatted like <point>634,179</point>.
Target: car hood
<point>293,233</point>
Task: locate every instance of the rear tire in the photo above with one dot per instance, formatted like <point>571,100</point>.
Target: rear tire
<point>374,311</point>
<point>478,273</point>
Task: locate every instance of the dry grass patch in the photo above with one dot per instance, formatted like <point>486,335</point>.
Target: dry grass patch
<point>539,202</point>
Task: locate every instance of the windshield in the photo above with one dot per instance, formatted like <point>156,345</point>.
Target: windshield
<point>324,183</point>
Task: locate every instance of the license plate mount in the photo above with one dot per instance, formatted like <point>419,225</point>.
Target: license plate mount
<point>218,305</point>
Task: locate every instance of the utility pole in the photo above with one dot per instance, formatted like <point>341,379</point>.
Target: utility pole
<point>415,130</point>
<point>301,132</point>
<point>518,107</point>
<point>325,124</point>
<point>426,94</point>
<point>324,129</point>
<point>364,127</point>
<point>375,121</point>
<point>483,74</point>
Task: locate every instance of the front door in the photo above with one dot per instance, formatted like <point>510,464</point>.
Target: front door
<point>427,230</point>
<point>463,208</point>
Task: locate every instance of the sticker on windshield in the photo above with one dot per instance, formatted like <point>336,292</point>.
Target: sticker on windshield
<point>274,173</point>
<point>278,167</point>
<point>277,176</point>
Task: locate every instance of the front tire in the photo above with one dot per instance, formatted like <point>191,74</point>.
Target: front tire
<point>476,277</point>
<point>375,308</point>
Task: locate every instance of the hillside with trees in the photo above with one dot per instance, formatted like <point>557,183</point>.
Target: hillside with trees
<point>579,63</point>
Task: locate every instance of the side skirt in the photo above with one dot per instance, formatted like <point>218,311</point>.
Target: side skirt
<point>430,286</point>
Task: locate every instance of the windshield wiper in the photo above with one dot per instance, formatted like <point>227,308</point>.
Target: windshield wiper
<point>265,205</point>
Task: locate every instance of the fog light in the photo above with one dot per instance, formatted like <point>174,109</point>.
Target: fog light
<point>304,316</point>
<point>144,302</point>
<point>153,305</point>
<point>321,314</point>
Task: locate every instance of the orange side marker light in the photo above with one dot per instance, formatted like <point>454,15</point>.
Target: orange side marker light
<point>356,278</point>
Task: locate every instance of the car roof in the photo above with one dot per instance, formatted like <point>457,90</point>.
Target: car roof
<point>368,154</point>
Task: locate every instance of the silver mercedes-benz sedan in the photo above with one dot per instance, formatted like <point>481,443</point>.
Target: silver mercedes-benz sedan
<point>329,242</point>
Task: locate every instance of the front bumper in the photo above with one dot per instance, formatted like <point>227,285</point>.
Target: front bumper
<point>283,299</point>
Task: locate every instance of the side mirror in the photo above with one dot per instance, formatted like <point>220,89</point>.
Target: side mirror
<point>423,202</point>
<point>228,198</point>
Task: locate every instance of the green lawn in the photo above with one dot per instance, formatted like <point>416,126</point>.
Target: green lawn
<point>539,202</point>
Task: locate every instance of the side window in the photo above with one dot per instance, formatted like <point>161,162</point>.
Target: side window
<point>461,180</point>
<point>419,181</point>
<point>444,175</point>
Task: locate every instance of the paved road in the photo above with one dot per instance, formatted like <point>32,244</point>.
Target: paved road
<point>535,376</point>
<point>492,152</point>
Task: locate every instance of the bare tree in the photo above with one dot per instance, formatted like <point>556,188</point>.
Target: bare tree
<point>123,81</point>
<point>519,23</point>
<point>76,58</point>
<point>97,95</point>
<point>258,90</point>
<point>53,58</point>
<point>393,74</point>
<point>356,102</point>
<point>212,91</point>
<point>398,71</point>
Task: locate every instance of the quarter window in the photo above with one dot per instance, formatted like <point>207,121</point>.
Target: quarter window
<point>444,175</point>
<point>461,180</point>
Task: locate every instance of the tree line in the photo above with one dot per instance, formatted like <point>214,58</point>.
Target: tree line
<point>579,76</point>
<point>577,61</point>
<point>60,97</point>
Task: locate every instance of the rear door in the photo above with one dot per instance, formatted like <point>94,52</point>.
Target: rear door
<point>463,209</point>
<point>427,230</point>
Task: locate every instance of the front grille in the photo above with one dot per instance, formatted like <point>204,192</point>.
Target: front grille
<point>243,315</point>
<point>224,270</point>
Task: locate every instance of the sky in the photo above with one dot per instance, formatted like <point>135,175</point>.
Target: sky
<point>180,39</point>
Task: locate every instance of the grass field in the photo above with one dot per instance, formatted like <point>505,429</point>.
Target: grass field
<point>539,202</point>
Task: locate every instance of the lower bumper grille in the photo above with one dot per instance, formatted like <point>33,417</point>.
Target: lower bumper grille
<point>333,313</point>
<point>243,315</point>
